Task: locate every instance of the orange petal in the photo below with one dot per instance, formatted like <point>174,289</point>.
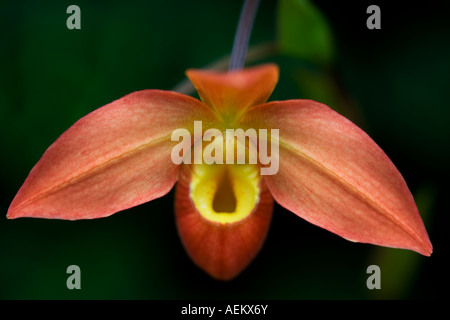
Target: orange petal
<point>116,157</point>
<point>222,243</point>
<point>231,93</point>
<point>333,175</point>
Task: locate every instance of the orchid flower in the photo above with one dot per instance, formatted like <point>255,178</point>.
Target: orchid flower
<point>328,171</point>
<point>331,173</point>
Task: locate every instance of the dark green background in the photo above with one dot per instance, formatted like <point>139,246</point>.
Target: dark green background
<point>393,82</point>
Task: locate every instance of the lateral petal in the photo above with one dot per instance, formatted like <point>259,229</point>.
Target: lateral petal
<point>231,93</point>
<point>114,158</point>
<point>335,176</point>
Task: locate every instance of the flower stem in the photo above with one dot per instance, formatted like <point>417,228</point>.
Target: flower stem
<point>242,36</point>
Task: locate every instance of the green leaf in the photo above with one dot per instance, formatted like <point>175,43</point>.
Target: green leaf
<point>323,86</point>
<point>303,32</point>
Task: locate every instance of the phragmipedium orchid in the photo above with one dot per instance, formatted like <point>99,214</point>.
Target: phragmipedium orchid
<point>328,171</point>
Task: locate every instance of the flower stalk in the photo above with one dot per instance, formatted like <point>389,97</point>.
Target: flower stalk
<point>242,36</point>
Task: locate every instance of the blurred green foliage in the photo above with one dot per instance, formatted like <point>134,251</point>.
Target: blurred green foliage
<point>392,82</point>
<point>304,32</point>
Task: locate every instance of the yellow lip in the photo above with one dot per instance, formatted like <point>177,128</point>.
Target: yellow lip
<point>225,193</point>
